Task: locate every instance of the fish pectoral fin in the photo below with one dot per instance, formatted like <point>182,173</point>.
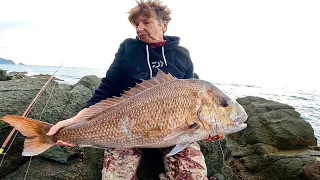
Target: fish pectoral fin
<point>177,149</point>
<point>181,131</point>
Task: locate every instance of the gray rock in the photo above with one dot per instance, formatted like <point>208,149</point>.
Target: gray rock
<point>3,75</point>
<point>17,73</point>
<point>216,153</point>
<point>90,82</point>
<point>286,168</point>
<point>195,75</point>
<point>41,168</point>
<point>265,149</point>
<point>56,153</point>
<point>275,124</point>
<point>277,143</point>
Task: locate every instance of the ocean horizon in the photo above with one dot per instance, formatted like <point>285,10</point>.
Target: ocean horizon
<point>305,101</point>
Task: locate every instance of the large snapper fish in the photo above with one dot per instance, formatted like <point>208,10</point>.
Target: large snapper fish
<point>160,112</point>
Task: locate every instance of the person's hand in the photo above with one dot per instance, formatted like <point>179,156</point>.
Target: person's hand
<point>60,125</point>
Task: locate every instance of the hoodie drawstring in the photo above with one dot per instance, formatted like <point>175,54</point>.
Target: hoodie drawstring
<point>147,49</point>
<point>164,57</point>
<point>148,59</point>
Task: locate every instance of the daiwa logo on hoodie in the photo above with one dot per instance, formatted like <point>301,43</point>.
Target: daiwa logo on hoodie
<point>157,64</point>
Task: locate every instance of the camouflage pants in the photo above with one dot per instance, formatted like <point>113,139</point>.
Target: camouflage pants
<point>188,164</point>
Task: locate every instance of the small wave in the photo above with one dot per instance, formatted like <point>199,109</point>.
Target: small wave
<point>298,97</point>
<point>237,85</point>
<point>252,86</point>
<point>244,85</point>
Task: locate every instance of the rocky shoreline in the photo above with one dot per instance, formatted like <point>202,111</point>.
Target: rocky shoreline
<point>277,144</point>
<point>4,76</point>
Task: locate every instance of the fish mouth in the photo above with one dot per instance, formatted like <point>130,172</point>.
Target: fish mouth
<point>238,125</point>
<point>240,119</point>
<point>234,129</point>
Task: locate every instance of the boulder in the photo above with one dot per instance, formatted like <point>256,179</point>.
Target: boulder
<point>277,143</point>
<point>3,75</point>
<point>13,73</point>
<point>195,75</point>
<point>85,164</point>
<point>275,124</point>
<point>44,76</point>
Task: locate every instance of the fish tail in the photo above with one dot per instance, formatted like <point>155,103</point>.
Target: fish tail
<point>37,141</point>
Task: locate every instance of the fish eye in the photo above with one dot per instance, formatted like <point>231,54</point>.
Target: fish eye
<point>224,102</point>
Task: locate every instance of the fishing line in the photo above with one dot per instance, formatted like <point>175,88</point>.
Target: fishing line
<point>4,154</point>
<point>221,151</point>
<point>53,88</point>
<point>25,176</point>
<point>216,129</point>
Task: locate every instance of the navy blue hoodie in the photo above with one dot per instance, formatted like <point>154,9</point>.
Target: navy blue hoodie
<point>136,60</point>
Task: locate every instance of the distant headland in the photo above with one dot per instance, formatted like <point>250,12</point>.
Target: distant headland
<point>7,61</point>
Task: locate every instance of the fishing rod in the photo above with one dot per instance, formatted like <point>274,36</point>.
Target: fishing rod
<point>26,112</point>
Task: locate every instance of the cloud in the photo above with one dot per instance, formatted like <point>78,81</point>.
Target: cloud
<point>6,25</point>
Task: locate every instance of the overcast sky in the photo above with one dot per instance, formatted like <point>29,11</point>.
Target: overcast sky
<point>272,42</point>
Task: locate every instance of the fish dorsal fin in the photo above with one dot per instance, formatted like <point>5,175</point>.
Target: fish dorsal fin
<point>160,78</point>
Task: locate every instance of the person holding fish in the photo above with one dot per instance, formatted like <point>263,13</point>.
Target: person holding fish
<point>125,114</point>
<point>139,59</point>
